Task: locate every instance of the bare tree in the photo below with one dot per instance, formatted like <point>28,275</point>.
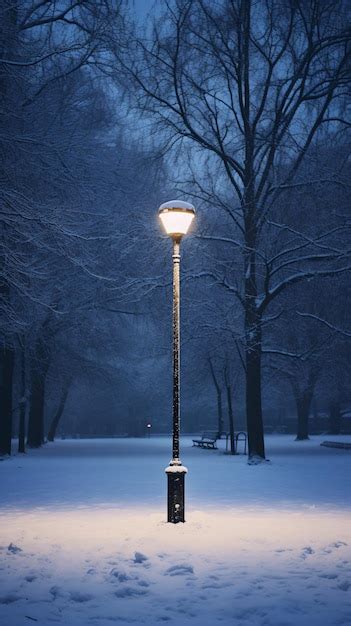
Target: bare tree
<point>42,44</point>
<point>306,351</point>
<point>66,242</point>
<point>250,88</point>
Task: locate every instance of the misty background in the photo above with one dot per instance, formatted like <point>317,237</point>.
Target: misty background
<point>109,109</point>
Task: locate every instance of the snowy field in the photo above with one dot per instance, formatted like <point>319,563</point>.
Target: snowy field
<point>83,538</point>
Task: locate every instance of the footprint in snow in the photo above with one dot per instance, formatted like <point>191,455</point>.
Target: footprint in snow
<point>30,577</point>
<point>179,570</point>
<point>9,599</point>
<point>219,585</point>
<point>307,551</point>
<point>344,586</point>
<point>334,546</point>
<point>77,596</point>
<point>56,592</point>
<point>14,549</point>
<point>120,575</point>
<point>281,550</point>
<point>130,592</point>
<point>139,557</point>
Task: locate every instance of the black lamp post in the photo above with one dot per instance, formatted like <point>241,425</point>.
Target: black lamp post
<point>176,217</point>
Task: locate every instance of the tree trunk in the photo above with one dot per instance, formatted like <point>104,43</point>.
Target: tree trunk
<point>219,414</point>
<point>231,419</point>
<point>219,400</point>
<point>55,420</point>
<point>6,378</point>
<point>253,325</point>
<point>23,405</point>
<point>35,437</point>
<point>253,387</point>
<point>334,418</point>
<point>303,405</point>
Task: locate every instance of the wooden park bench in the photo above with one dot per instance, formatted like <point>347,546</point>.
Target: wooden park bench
<point>337,444</point>
<point>208,440</point>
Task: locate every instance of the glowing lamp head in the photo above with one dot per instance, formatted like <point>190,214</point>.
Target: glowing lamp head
<point>176,217</point>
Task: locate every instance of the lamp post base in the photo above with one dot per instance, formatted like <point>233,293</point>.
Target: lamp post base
<point>176,476</point>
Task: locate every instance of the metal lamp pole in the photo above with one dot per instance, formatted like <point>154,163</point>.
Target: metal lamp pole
<point>176,217</point>
<point>176,349</point>
<point>176,471</point>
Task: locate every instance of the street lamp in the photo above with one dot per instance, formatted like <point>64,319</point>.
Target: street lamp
<point>176,217</point>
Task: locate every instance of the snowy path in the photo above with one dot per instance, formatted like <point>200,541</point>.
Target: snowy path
<point>83,538</point>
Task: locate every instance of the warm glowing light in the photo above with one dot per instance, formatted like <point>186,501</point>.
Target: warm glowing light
<point>176,217</point>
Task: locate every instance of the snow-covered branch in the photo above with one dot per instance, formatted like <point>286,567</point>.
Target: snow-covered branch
<point>337,329</point>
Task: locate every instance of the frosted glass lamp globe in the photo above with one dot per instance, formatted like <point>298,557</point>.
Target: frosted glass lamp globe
<point>176,217</point>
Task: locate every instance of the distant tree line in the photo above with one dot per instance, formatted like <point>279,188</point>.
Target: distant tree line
<point>71,185</point>
<point>240,106</point>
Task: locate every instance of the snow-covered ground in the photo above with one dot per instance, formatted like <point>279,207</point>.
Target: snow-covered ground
<point>83,537</point>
